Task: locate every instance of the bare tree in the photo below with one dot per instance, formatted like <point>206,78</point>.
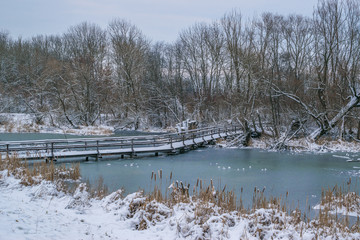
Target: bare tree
<point>85,47</point>
<point>203,61</point>
<point>336,48</point>
<point>129,49</point>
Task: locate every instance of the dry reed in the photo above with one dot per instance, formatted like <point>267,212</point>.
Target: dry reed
<point>35,173</point>
<point>206,197</point>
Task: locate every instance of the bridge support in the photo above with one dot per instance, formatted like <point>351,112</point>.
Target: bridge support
<point>212,142</point>
<point>194,146</point>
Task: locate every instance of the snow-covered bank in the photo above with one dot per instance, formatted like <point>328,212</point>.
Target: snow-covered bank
<point>25,123</point>
<point>44,212</point>
<point>306,145</point>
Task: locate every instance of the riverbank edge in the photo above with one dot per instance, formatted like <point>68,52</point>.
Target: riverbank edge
<point>24,123</point>
<point>304,144</point>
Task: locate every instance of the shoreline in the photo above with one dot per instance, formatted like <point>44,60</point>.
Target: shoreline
<point>24,123</point>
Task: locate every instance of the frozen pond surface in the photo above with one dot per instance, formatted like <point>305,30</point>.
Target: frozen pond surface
<point>302,175</point>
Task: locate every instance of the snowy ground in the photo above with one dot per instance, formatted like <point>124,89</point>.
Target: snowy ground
<point>303,144</point>
<point>23,123</point>
<point>43,212</point>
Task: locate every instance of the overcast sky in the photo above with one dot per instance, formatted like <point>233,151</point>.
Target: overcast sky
<point>160,20</point>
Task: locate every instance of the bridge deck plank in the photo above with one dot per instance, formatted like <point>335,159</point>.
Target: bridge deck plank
<point>167,146</point>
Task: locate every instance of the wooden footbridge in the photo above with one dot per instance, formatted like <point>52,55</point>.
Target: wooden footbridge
<point>95,148</point>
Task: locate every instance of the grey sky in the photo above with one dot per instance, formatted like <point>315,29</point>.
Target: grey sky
<point>158,19</point>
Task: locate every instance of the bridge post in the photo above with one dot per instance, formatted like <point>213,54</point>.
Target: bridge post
<point>52,150</point>
<point>97,150</point>
<point>132,147</point>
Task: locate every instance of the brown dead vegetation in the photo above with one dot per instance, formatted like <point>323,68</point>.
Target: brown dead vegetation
<point>206,197</point>
<point>206,200</point>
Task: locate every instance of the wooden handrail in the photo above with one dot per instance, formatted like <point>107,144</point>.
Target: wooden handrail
<point>110,142</point>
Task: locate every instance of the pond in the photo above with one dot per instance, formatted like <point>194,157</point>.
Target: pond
<point>302,175</point>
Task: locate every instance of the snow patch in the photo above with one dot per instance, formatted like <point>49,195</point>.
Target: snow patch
<point>42,212</point>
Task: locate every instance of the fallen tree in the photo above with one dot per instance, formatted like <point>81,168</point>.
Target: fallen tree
<point>324,124</point>
<point>354,101</point>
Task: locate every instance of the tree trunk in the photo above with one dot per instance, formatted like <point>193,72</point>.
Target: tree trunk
<point>321,131</point>
<point>260,123</point>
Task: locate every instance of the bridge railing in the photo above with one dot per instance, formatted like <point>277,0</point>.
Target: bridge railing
<point>50,146</point>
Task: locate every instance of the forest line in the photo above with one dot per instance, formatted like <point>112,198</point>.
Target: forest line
<point>268,73</point>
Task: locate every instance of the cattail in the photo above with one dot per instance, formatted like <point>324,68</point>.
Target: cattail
<point>170,176</point>
<point>155,176</point>
<point>152,175</point>
<point>160,173</point>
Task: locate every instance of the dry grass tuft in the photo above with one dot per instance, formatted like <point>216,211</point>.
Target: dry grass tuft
<point>64,177</point>
<point>9,127</point>
<point>35,173</point>
<point>99,190</point>
<point>206,197</point>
